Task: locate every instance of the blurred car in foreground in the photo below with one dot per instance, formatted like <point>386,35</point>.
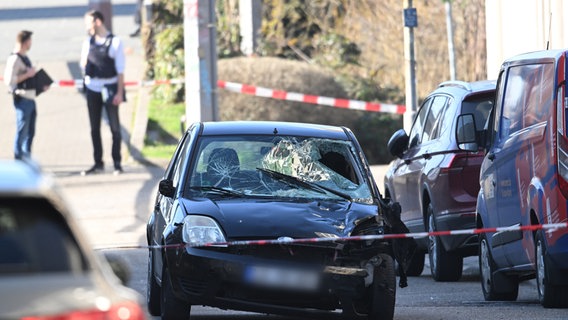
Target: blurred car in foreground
<point>243,181</point>
<point>47,270</point>
<point>434,181</point>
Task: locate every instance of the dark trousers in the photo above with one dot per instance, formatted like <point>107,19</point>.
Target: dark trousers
<point>95,104</point>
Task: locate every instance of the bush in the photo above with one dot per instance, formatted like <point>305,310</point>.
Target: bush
<point>169,63</point>
<point>373,130</point>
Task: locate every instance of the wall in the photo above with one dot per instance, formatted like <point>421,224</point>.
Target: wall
<point>518,26</point>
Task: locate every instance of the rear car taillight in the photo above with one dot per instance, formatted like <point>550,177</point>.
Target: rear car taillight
<point>463,173</point>
<point>562,141</point>
<point>122,311</point>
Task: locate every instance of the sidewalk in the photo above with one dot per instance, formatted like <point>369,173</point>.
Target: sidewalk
<point>112,209</point>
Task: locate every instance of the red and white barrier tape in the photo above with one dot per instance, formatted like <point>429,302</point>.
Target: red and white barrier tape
<point>549,227</point>
<point>299,97</point>
<point>267,93</point>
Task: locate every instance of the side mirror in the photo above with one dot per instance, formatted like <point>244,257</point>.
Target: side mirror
<point>398,143</point>
<point>166,188</point>
<point>466,133</point>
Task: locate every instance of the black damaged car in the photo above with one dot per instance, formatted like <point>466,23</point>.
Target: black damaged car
<point>232,185</point>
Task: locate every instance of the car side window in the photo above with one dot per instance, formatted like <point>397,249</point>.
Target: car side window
<point>181,159</point>
<point>35,238</point>
<point>415,137</point>
<point>433,119</point>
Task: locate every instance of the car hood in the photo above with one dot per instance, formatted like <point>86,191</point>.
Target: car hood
<point>267,219</point>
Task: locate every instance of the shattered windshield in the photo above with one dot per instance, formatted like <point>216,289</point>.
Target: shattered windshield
<point>278,166</point>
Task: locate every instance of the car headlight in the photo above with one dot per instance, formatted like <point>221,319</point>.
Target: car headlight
<point>199,230</point>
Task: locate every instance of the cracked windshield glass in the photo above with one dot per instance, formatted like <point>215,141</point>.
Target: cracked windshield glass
<point>269,166</point>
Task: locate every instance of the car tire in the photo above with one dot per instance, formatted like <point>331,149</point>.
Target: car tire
<point>416,265</point>
<point>153,290</point>
<point>383,290</point>
<point>549,295</point>
<point>495,286</point>
<point>444,265</point>
<point>172,308</point>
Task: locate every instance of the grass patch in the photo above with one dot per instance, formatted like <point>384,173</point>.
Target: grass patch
<point>164,129</point>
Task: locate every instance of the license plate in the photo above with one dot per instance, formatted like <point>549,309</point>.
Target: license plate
<point>282,278</point>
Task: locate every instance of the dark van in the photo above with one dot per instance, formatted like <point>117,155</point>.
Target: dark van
<point>524,179</point>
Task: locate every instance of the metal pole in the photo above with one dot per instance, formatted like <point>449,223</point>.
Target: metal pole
<point>200,61</point>
<point>410,22</point>
<point>104,7</point>
<point>450,30</point>
<point>250,18</point>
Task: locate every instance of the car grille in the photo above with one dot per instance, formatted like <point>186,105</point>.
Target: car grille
<point>293,253</point>
<point>193,286</point>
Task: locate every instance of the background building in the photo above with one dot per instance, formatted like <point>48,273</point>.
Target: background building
<point>517,26</point>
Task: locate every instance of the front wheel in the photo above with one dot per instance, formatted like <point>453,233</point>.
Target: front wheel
<point>495,286</point>
<point>153,290</point>
<point>383,290</point>
<point>172,307</point>
<point>444,265</point>
<point>549,295</point>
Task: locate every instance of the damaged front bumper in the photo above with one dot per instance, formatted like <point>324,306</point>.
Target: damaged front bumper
<point>215,277</point>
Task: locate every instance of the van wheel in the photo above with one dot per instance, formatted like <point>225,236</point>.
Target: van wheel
<point>495,286</point>
<point>549,295</point>
<point>444,266</point>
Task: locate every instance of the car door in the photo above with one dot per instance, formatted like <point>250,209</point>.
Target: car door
<point>164,204</point>
<point>407,174</point>
<point>510,159</point>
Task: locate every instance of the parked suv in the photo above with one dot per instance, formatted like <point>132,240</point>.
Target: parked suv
<point>434,181</point>
<point>524,180</point>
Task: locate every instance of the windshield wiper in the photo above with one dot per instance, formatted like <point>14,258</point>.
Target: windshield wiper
<point>303,183</point>
<point>223,191</point>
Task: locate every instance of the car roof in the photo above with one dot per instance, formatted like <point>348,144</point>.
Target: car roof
<point>273,127</point>
<point>21,176</point>
<point>24,179</point>
<point>473,86</point>
<point>535,56</point>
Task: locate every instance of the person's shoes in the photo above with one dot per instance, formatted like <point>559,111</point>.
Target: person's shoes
<point>118,170</point>
<point>93,170</point>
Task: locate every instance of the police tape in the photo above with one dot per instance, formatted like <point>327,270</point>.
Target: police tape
<point>319,100</point>
<point>548,227</point>
<point>265,93</point>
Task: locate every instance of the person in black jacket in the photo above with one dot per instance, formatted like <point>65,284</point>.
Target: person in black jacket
<point>103,62</point>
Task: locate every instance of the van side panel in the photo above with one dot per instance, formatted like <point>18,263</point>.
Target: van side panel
<point>524,169</point>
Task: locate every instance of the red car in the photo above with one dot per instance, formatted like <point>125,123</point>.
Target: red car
<point>435,182</point>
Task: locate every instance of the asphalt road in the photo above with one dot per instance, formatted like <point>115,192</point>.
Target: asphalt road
<point>423,299</point>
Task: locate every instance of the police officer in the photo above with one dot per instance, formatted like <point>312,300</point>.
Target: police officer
<point>103,62</point>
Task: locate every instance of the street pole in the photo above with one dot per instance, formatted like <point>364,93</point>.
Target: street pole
<point>200,61</point>
<point>104,7</point>
<point>410,22</point>
<point>450,31</point>
<point>250,18</point>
